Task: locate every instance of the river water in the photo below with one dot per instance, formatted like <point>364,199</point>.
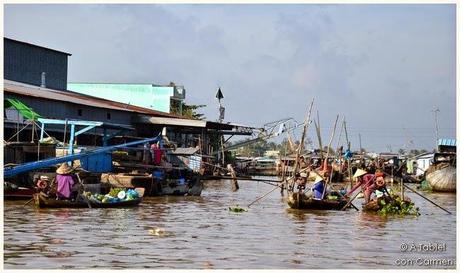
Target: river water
<point>200,233</point>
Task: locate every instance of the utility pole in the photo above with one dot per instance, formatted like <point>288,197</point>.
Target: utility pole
<point>435,111</point>
<point>360,147</point>
<point>220,96</point>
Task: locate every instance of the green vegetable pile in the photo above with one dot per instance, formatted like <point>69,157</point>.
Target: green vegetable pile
<point>112,196</point>
<point>396,206</point>
<point>114,191</point>
<point>237,209</point>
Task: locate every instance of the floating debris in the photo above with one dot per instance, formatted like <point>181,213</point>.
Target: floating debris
<point>237,209</point>
<point>160,232</point>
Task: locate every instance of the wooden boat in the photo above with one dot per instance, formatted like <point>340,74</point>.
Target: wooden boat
<point>172,187</point>
<point>299,200</point>
<point>155,186</point>
<point>443,178</point>
<point>43,201</point>
<point>20,193</point>
<point>372,206</point>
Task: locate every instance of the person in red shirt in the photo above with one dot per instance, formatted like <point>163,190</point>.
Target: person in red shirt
<point>366,182</point>
<point>156,153</point>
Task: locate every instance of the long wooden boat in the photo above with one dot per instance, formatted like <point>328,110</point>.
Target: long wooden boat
<point>155,186</point>
<point>299,200</point>
<point>43,201</point>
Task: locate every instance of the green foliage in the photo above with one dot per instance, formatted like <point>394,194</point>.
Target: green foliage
<point>114,191</point>
<point>237,209</point>
<point>397,206</point>
<point>188,111</point>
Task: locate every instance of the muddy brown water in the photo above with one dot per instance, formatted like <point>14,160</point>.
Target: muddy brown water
<point>200,233</point>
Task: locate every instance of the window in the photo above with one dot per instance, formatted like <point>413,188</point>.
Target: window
<point>109,116</point>
<point>80,112</point>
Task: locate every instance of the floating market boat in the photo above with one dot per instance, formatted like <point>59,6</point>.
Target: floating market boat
<point>391,205</point>
<point>179,187</point>
<point>442,177</point>
<point>156,184</point>
<point>299,200</point>
<point>44,201</point>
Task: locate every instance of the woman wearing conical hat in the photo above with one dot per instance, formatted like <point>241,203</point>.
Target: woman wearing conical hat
<point>366,182</point>
<point>318,188</point>
<point>65,181</point>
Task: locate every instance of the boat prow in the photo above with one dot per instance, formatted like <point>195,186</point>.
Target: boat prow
<point>299,200</point>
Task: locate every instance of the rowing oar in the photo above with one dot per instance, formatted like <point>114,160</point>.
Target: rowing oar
<point>414,191</point>
<point>351,200</point>
<point>263,196</point>
<point>82,189</point>
<point>251,179</point>
<point>419,194</point>
<point>28,202</point>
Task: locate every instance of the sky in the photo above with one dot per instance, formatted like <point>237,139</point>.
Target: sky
<point>385,68</point>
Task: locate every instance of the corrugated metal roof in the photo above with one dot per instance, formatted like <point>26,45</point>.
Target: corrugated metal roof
<point>172,121</point>
<point>5,38</point>
<point>447,142</point>
<point>73,97</point>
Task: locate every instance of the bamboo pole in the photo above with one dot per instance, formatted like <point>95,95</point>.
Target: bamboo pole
<point>350,177</point>
<point>262,196</point>
<point>327,155</point>
<point>330,142</point>
<point>318,134</point>
<point>419,194</point>
<point>351,200</point>
<point>305,127</point>
<point>339,156</point>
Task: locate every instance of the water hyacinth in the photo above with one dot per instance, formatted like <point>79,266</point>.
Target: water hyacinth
<point>237,209</point>
<point>396,206</point>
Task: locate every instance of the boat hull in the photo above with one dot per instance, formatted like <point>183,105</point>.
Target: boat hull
<point>42,201</point>
<point>18,194</point>
<point>443,180</point>
<point>301,201</point>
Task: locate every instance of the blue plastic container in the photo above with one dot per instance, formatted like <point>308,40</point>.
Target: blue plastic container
<point>158,174</point>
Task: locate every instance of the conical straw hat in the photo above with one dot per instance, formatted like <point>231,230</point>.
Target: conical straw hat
<point>318,178</point>
<point>359,172</point>
<point>64,169</point>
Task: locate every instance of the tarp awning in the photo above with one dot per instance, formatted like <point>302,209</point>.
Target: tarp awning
<point>23,109</point>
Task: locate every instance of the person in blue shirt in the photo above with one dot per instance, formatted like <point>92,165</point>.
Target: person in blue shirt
<point>318,188</point>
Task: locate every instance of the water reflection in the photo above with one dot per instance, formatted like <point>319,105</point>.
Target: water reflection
<point>200,233</point>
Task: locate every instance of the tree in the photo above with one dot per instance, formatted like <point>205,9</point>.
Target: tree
<point>188,111</point>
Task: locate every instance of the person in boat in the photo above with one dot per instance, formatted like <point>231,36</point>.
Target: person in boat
<point>367,183</point>
<point>380,182</point>
<point>66,186</point>
<point>319,187</point>
<point>301,181</point>
<point>302,163</point>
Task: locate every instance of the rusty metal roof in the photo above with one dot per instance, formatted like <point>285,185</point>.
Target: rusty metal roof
<point>77,98</point>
